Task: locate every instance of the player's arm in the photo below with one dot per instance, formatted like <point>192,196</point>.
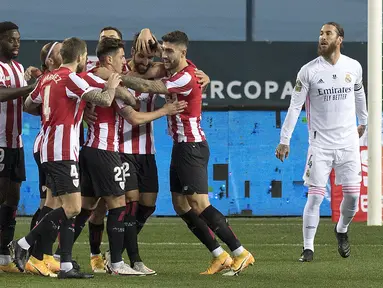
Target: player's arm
<point>14,93</point>
<point>32,103</point>
<point>31,107</point>
<point>137,118</point>
<point>104,97</point>
<point>145,86</point>
<point>298,98</point>
<point>360,103</point>
<point>125,96</point>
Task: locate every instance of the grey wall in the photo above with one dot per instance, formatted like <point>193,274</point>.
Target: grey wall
<point>300,20</point>
<point>273,20</point>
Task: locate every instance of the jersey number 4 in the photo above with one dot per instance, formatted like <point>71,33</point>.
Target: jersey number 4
<point>46,108</point>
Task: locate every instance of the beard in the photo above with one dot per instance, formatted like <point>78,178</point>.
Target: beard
<point>140,68</point>
<point>326,52</point>
<point>80,68</point>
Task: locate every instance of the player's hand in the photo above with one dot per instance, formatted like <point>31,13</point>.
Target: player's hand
<point>144,41</point>
<point>32,72</point>
<point>90,117</point>
<point>204,80</point>
<point>361,129</point>
<point>103,73</point>
<point>113,81</point>
<point>175,107</point>
<point>282,152</point>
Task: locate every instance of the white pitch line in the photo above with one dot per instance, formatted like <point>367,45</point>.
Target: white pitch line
<point>248,244</point>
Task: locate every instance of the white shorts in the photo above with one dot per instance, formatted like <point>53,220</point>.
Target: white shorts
<point>320,162</point>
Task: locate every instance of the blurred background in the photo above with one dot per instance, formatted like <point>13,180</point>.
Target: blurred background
<point>252,51</point>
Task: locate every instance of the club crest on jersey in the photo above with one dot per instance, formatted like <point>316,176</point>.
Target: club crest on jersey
<point>348,78</point>
<point>298,86</point>
<point>2,167</point>
<point>76,182</point>
<point>122,185</point>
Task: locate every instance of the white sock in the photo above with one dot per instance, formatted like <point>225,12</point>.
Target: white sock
<point>311,215</point>
<point>5,259</point>
<point>348,207</point>
<point>217,251</point>
<point>23,243</point>
<point>66,266</point>
<point>238,251</point>
<point>92,255</point>
<point>117,264</point>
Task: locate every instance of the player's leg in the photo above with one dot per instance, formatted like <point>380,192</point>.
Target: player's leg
<point>11,175</point>
<point>317,171</point>
<point>221,259</point>
<point>96,230</point>
<point>347,174</point>
<point>148,187</point>
<point>65,178</point>
<point>42,188</point>
<point>130,167</point>
<point>193,175</point>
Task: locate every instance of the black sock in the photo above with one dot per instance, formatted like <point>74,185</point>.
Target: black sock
<point>95,237</point>
<point>41,242</point>
<point>66,240</point>
<point>115,228</point>
<point>7,227</point>
<point>79,225</point>
<point>200,230</point>
<point>130,238</point>
<point>143,213</point>
<point>80,221</point>
<point>35,218</point>
<point>48,224</point>
<point>218,223</point>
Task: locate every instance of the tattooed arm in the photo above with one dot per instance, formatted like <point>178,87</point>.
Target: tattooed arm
<point>123,94</point>
<point>145,86</point>
<point>99,97</point>
<point>106,97</point>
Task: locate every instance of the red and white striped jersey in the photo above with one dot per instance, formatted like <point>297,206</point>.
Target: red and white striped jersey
<point>103,134</point>
<point>11,76</point>
<point>138,139</point>
<point>62,114</point>
<point>33,95</point>
<point>186,127</point>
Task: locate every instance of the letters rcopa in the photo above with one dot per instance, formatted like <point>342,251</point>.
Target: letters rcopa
<point>250,89</point>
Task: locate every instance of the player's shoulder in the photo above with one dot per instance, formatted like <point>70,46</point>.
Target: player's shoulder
<point>312,65</point>
<point>348,61</point>
<point>18,65</point>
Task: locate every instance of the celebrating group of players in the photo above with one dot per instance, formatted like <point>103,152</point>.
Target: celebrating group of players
<point>115,169</point>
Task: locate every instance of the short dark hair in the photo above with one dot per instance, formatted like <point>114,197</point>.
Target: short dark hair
<point>108,46</point>
<point>112,28</point>
<point>176,37</point>
<point>72,48</point>
<point>339,28</point>
<point>6,26</point>
<point>152,45</point>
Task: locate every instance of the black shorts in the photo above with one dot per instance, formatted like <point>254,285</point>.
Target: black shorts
<point>140,172</point>
<point>188,168</point>
<point>42,176</point>
<point>62,176</point>
<point>12,164</point>
<point>101,173</point>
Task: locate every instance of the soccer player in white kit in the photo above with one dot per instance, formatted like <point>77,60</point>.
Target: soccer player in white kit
<point>331,88</point>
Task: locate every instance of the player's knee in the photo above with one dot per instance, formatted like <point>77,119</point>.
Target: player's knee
<point>72,209</point>
<point>352,200</point>
<point>180,206</point>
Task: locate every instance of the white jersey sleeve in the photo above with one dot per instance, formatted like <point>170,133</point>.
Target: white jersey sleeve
<point>360,98</point>
<point>298,98</point>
